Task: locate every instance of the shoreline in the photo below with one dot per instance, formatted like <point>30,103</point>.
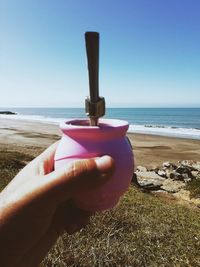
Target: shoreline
<point>150,150</point>
<point>157,130</point>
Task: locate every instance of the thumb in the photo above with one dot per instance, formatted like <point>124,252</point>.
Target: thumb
<point>82,175</point>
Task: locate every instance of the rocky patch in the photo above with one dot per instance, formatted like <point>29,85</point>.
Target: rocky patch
<point>169,178</point>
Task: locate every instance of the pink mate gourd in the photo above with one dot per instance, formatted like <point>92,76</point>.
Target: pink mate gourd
<point>79,141</point>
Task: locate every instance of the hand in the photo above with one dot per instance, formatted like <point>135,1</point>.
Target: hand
<point>36,207</point>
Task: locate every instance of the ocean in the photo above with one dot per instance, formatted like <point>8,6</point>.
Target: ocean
<point>176,122</point>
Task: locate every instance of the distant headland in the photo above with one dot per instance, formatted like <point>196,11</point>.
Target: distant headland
<point>7,112</point>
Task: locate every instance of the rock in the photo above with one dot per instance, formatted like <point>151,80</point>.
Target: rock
<point>181,177</point>
<point>168,172</point>
<point>172,186</point>
<point>168,164</point>
<point>149,175</point>
<point>168,168</point>
<point>186,178</point>
<point>8,113</point>
<point>198,176</point>
<point>145,178</point>
<point>135,180</point>
<point>196,165</point>
<point>194,173</point>
<point>150,187</point>
<point>175,176</point>
<point>186,162</point>
<point>161,173</point>
<point>190,165</point>
<point>184,169</point>
<point>141,169</point>
<point>154,169</point>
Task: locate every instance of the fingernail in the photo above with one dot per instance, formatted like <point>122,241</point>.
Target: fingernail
<point>104,164</point>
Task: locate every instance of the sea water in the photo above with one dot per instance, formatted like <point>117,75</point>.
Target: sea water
<point>177,122</point>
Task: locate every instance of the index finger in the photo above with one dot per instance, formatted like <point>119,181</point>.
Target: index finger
<point>46,158</point>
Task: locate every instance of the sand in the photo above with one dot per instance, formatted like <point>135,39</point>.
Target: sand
<point>150,150</point>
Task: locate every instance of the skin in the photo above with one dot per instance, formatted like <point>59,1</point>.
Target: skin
<point>36,207</point>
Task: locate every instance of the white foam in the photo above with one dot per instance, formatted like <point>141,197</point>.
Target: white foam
<point>189,133</point>
<point>33,118</point>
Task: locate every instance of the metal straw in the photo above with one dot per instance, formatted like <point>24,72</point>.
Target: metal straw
<point>94,105</point>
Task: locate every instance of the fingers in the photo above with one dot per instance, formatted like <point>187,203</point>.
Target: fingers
<point>49,152</point>
<point>44,163</point>
<point>87,174</point>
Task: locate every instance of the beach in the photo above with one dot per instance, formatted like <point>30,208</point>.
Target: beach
<point>150,150</point>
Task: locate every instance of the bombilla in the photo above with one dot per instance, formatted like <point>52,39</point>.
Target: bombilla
<point>94,104</point>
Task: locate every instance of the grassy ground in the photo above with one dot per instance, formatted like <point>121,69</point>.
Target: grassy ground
<point>10,163</point>
<point>141,231</point>
<point>194,187</point>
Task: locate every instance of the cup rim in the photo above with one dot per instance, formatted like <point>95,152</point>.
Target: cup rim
<point>78,123</point>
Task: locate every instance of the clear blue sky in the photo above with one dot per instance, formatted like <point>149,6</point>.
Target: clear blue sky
<point>149,52</point>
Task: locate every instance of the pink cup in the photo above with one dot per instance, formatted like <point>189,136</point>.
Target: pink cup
<point>81,141</point>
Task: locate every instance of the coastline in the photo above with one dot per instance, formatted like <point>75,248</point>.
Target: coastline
<point>192,131</point>
<point>149,150</point>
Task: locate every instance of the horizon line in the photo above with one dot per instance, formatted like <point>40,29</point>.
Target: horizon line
<point>9,107</point>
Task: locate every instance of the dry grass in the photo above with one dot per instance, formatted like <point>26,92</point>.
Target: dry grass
<point>10,164</point>
<point>141,231</point>
<point>194,187</point>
